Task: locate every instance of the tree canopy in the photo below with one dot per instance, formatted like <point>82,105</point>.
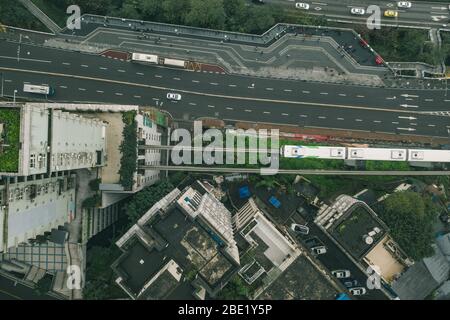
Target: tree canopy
<point>410,216</point>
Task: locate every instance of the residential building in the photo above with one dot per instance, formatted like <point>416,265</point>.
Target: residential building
<point>50,140</point>
<point>182,248</point>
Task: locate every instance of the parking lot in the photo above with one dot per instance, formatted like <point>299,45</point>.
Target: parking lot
<point>334,258</point>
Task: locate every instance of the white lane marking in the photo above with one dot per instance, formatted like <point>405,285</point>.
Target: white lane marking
<point>211,106</point>
<point>287,90</point>
<point>358,120</point>
<point>303,116</point>
<point>429,100</point>
<point>406,129</point>
<point>413,124</point>
<point>137,97</point>
<point>155,99</point>
<point>8,80</point>
<point>66,63</point>
<point>247,110</point>
<point>324,93</point>
<point>139,73</point>
<point>251,87</point>
<point>63,87</point>
<point>266,112</point>
<point>100,91</point>
<point>432,125</point>
<point>158,76</point>
<point>340,119</point>
<point>232,85</point>
<point>229,108</point>
<point>394,122</point>
<point>120,70</point>
<point>192,104</point>
<point>321,117</point>
<point>342,94</point>
<point>269,89</point>
<point>118,94</point>
<point>285,114</point>
<point>82,89</point>
<point>360,96</point>
<point>178,79</point>
<point>103,68</point>
<point>214,83</point>
<point>305,91</point>
<point>376,121</point>
<point>195,81</point>
<point>391,98</point>
<point>84,65</point>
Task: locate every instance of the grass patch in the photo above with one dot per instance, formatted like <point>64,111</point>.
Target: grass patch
<point>10,118</point>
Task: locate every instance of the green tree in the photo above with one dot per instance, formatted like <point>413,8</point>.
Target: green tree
<point>206,14</point>
<point>145,199</point>
<point>234,290</point>
<point>151,9</point>
<point>410,217</point>
<point>174,10</point>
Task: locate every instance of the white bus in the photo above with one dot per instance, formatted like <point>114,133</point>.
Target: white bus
<point>175,63</point>
<point>142,57</point>
<point>38,89</point>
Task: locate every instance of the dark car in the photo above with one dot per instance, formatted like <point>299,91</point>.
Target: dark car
<point>349,283</point>
<point>258,1</point>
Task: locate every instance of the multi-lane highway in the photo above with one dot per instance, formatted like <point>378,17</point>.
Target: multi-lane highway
<point>92,78</point>
<point>421,14</point>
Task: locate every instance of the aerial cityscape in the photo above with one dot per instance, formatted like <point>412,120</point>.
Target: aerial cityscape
<point>223,150</point>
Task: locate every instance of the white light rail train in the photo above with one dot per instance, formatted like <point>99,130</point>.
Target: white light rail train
<point>380,154</point>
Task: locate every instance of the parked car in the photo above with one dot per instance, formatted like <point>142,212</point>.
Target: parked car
<point>350,283</point>
<point>404,4</point>
<point>174,96</point>
<point>340,274</point>
<point>357,11</point>
<point>299,228</point>
<point>358,291</point>
<point>302,5</point>
<point>319,250</point>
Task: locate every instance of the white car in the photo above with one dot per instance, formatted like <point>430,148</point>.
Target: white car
<point>302,5</point>
<point>174,96</point>
<point>357,11</point>
<point>341,274</point>
<point>358,291</point>
<point>404,4</point>
<point>319,250</point>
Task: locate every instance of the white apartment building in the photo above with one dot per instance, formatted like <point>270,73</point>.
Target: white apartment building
<point>52,140</point>
<point>33,205</point>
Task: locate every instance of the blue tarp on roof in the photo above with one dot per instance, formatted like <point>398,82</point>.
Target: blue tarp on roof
<point>275,202</point>
<point>244,192</point>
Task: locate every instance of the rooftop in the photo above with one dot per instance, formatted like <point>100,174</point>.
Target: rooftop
<point>357,230</point>
<point>171,236</point>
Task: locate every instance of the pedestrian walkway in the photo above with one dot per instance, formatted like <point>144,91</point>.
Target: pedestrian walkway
<point>52,26</point>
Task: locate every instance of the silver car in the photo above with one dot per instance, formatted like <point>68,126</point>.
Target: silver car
<point>174,96</point>
<point>341,274</point>
<point>358,291</point>
<point>357,11</point>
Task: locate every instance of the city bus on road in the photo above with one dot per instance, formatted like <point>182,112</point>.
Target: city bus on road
<point>38,89</point>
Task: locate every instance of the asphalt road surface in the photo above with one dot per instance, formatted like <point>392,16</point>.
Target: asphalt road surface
<point>90,78</point>
<point>421,14</point>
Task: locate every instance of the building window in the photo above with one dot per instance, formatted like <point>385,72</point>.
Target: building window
<point>33,161</point>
